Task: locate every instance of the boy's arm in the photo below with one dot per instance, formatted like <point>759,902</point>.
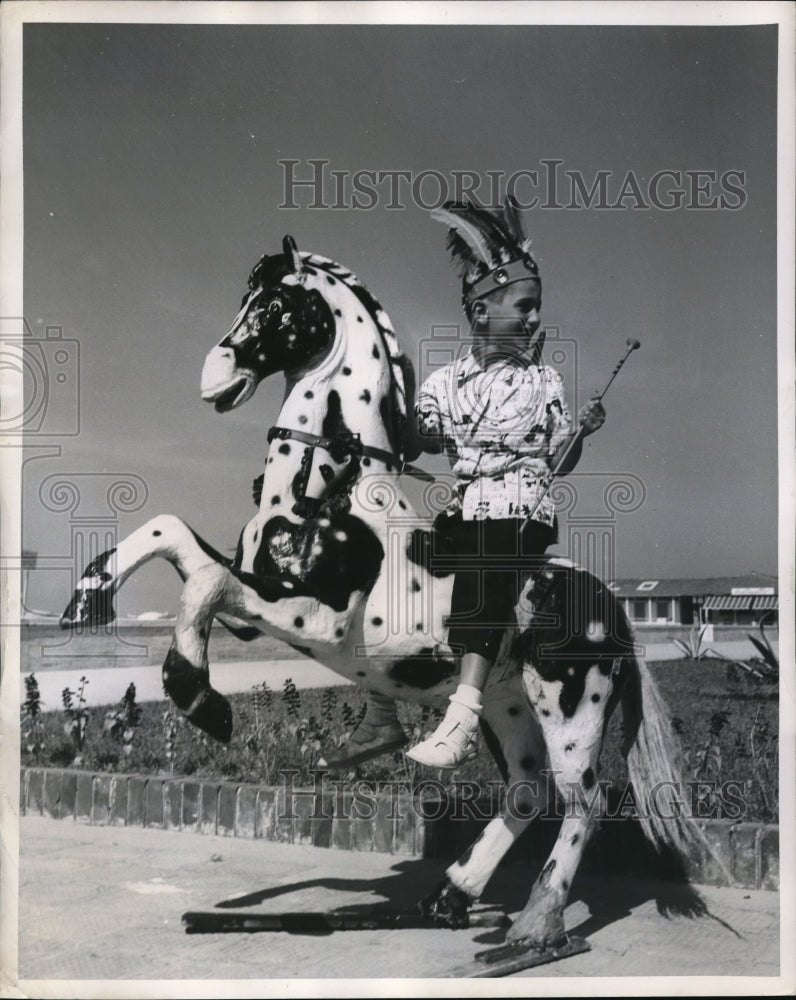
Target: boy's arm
<point>424,434</point>
<point>568,454</point>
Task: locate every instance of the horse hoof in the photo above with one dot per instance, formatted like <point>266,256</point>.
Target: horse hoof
<point>212,713</point>
<point>89,607</point>
<point>189,688</point>
<point>447,906</point>
<point>541,934</point>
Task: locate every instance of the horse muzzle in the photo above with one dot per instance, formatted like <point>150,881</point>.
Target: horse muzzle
<point>223,383</point>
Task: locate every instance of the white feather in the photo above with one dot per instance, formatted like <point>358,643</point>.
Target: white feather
<point>470,233</point>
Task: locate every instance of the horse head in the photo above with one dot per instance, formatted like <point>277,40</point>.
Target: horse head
<point>313,320</point>
<point>283,325</point>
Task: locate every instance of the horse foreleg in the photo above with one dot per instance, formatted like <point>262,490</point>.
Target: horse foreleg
<point>573,743</point>
<point>164,536</point>
<point>186,673</point>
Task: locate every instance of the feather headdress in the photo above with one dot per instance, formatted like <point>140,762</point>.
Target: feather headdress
<point>488,248</point>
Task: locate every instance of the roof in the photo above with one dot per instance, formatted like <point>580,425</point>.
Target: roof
<point>756,583</point>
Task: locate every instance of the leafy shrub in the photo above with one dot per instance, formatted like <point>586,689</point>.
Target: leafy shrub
<point>728,731</point>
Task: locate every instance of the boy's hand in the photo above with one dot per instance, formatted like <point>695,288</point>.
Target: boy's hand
<point>591,417</point>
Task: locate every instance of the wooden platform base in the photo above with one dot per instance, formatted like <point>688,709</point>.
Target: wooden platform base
<point>510,958</point>
<point>234,922</point>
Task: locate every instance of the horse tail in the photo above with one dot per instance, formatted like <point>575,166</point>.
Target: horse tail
<point>653,762</point>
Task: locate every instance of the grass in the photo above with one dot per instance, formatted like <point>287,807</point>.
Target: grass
<point>726,724</point>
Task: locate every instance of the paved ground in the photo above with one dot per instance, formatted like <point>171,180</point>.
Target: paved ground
<point>105,903</point>
<point>107,684</point>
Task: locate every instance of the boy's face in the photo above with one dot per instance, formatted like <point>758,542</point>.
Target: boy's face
<point>512,311</point>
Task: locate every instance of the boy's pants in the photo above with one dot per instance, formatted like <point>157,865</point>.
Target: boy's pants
<point>493,560</point>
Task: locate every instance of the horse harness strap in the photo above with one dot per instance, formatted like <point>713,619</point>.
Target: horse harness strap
<point>348,444</point>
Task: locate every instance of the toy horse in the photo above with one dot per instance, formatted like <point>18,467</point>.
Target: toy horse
<point>337,563</point>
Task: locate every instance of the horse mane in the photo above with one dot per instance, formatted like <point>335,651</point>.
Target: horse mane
<point>395,419</point>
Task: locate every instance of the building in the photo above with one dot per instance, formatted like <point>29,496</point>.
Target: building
<point>724,601</point>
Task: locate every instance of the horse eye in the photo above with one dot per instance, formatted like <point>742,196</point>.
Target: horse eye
<point>275,306</point>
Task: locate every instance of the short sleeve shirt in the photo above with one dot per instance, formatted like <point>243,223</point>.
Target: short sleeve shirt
<point>500,424</point>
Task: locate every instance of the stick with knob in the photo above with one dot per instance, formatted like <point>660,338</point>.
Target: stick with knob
<point>632,345</point>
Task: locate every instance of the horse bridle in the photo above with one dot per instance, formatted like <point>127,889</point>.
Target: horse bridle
<point>348,444</point>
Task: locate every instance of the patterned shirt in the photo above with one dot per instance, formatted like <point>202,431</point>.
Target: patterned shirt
<point>500,425</point>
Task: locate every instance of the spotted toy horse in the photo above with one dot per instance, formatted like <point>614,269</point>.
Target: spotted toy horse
<point>336,563</point>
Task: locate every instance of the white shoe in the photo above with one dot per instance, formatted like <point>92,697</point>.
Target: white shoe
<point>452,743</point>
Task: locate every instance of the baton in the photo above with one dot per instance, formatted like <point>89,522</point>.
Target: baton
<point>632,345</point>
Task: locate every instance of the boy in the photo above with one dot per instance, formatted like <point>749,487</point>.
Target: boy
<point>503,420</point>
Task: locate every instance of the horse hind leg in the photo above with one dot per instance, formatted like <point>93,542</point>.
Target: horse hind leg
<point>515,740</point>
<point>574,741</point>
<point>163,536</point>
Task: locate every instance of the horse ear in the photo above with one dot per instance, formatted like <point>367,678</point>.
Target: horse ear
<point>290,250</point>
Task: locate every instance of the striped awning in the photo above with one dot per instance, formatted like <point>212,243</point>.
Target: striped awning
<point>724,602</point>
<point>767,603</point>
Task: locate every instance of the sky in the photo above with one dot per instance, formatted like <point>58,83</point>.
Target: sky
<point>153,184</point>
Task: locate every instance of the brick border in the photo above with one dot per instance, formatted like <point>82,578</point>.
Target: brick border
<point>748,851</point>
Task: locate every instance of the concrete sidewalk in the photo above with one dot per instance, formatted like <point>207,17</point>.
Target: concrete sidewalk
<point>107,684</point>
<point>104,903</point>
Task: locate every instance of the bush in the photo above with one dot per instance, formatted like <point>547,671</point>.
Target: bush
<point>727,727</point>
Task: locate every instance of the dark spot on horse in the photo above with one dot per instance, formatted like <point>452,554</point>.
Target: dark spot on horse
<point>513,710</point>
<point>419,627</point>
<point>493,745</point>
<point>274,501</point>
<point>377,620</point>
<point>157,534</point>
<point>302,419</point>
<point>269,461</point>
<point>402,505</point>
<point>327,472</point>
<point>595,698</point>
<point>360,320</point>
<point>309,394</point>
<point>284,449</point>
<point>569,748</point>
<point>365,395</point>
<point>415,585</point>
<point>545,712</point>
<point>330,279</point>
<point>575,839</point>
<point>339,633</point>
<point>588,778</point>
<point>360,673</point>
<point>298,621</point>
<point>331,577</point>
<point>548,870</point>
<point>375,352</point>
<point>422,671</point>
<point>564,884</point>
<point>333,422</point>
<point>527,763</point>
<point>337,312</point>
<point>346,370</point>
<point>366,461</point>
<point>379,502</point>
